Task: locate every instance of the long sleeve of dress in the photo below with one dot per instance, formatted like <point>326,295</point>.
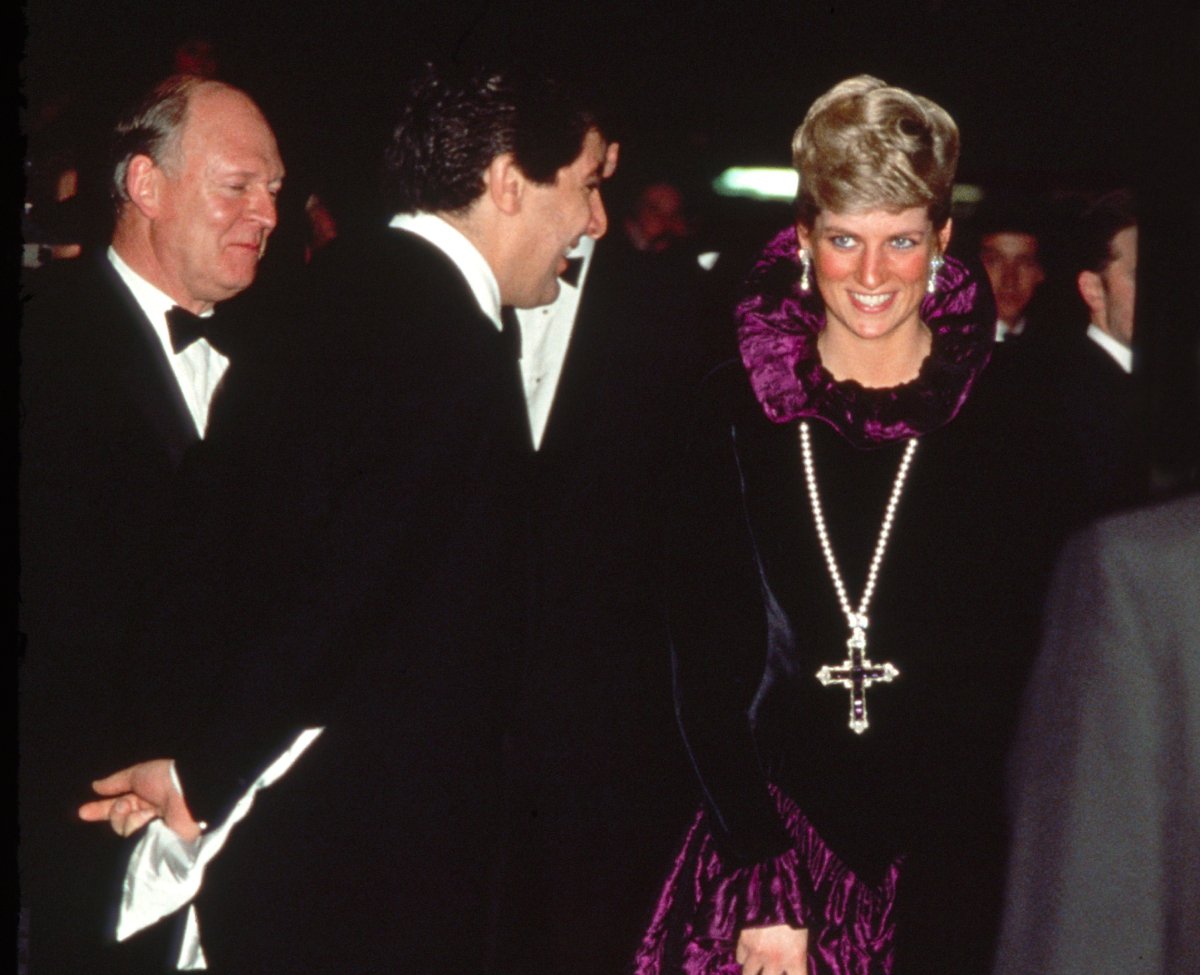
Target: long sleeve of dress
<point>718,640</point>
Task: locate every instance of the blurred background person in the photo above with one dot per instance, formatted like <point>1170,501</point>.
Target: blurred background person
<point>1093,406</point>
<point>657,220</point>
<point>1009,251</point>
<point>1104,874</point>
<point>196,55</point>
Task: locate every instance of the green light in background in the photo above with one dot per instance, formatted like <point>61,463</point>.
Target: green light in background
<point>757,183</point>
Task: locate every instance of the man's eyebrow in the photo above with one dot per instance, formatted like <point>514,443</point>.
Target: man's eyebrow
<point>241,169</point>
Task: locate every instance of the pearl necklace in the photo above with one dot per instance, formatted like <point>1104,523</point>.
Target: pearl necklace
<point>856,673</point>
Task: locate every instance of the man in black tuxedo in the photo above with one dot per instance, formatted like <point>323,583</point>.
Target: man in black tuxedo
<point>113,394</point>
<point>1100,406</point>
<point>1075,396</point>
<point>367,494</point>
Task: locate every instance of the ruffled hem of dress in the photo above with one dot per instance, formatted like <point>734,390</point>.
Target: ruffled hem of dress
<point>705,904</point>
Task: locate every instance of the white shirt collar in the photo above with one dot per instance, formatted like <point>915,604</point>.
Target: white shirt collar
<point>152,300</point>
<point>1004,329</point>
<point>1122,355</point>
<point>465,255</point>
<point>545,336</point>
<point>198,368</point>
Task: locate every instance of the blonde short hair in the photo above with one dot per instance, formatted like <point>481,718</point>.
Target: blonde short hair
<point>866,146</point>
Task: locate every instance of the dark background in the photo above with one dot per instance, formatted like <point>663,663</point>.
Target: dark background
<point>1056,97</point>
<point>1040,88</point>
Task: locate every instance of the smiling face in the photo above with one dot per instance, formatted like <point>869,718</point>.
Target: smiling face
<point>871,269</point>
<point>214,204</point>
<point>555,216</point>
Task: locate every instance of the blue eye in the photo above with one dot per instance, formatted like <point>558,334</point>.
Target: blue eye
<point>842,241</point>
<point>903,243</point>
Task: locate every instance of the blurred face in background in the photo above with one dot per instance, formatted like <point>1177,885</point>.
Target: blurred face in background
<point>1012,265</point>
<point>658,220</point>
<point>1111,294</point>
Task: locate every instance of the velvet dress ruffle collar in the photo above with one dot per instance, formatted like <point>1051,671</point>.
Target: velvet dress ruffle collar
<point>778,328</point>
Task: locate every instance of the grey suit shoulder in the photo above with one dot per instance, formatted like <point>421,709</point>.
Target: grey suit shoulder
<point>1105,867</point>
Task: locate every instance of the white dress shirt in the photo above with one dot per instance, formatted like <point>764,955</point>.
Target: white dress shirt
<point>545,336</point>
<point>545,331</point>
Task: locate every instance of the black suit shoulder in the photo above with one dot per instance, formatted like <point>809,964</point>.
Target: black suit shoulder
<point>90,359</point>
<point>391,279</point>
<point>103,429</point>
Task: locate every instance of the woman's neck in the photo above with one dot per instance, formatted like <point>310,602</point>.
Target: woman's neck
<point>879,363</point>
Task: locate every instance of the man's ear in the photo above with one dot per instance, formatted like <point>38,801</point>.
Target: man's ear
<point>143,185</point>
<point>611,155</point>
<point>1091,290</point>
<point>504,183</point>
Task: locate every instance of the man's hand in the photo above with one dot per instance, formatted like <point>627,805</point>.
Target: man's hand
<point>777,950</point>
<point>138,794</point>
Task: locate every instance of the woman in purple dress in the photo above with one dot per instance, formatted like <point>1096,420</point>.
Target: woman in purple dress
<point>858,553</point>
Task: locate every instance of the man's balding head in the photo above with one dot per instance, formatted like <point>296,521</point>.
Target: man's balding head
<point>196,171</point>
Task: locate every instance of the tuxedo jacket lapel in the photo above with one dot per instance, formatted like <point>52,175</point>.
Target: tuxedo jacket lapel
<point>143,372</point>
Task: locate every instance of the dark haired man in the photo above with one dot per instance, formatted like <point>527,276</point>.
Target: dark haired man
<point>371,582</point>
<point>113,394</point>
<point>1098,410</point>
<point>1009,249</point>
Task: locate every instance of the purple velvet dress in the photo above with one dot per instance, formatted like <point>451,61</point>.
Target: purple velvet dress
<point>827,853</point>
<point>706,903</point>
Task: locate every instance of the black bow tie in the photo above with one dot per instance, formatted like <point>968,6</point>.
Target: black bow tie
<point>571,274</point>
<point>184,327</point>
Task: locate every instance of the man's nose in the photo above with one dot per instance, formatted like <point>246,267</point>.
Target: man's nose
<point>262,208</point>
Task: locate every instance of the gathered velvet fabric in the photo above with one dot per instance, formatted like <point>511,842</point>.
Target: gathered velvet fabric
<point>805,887</point>
<point>887,846</point>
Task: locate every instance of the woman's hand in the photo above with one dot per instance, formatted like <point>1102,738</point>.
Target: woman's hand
<point>777,950</point>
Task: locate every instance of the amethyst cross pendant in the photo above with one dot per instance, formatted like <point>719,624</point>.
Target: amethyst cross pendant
<point>856,673</point>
